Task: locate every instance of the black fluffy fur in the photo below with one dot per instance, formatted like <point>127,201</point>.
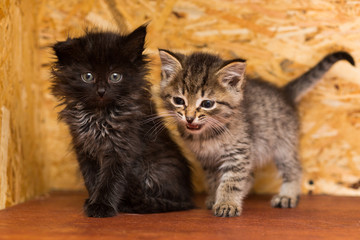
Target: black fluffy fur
<point>125,167</point>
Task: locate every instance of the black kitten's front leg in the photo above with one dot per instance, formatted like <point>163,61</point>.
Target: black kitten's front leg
<point>109,189</point>
<point>90,169</point>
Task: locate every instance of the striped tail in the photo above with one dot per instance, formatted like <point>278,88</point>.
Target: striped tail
<point>301,85</point>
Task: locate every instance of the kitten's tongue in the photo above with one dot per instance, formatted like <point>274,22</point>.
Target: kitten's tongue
<point>193,126</point>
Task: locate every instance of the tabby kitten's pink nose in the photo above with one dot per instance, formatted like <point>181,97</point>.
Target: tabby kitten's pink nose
<point>189,119</point>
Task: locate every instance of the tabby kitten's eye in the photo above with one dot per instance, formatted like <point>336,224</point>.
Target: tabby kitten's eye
<point>115,77</point>
<point>207,104</point>
<point>87,77</point>
<point>178,101</point>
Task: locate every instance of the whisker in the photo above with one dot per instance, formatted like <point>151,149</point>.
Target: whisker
<point>160,117</point>
<point>160,127</point>
<point>159,122</point>
<point>154,127</point>
<point>221,128</point>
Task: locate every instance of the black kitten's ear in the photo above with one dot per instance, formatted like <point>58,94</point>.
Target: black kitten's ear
<point>136,42</point>
<point>232,74</point>
<point>170,65</point>
<point>64,51</point>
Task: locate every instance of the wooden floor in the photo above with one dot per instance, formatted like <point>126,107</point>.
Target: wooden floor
<point>60,216</point>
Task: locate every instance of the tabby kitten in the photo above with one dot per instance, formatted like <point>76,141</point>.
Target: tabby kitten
<point>100,78</point>
<point>234,124</point>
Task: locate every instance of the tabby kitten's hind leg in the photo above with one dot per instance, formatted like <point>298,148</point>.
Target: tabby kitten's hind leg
<point>289,168</point>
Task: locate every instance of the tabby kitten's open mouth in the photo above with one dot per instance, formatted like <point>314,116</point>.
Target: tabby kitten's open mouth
<point>193,127</point>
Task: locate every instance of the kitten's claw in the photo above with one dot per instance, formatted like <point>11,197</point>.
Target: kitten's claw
<point>98,210</point>
<point>226,209</point>
<point>279,201</point>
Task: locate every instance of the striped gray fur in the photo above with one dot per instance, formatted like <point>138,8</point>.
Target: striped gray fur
<point>249,122</point>
<point>301,85</point>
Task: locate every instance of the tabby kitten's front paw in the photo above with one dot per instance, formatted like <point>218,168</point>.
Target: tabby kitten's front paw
<point>279,201</point>
<point>98,210</point>
<point>226,209</point>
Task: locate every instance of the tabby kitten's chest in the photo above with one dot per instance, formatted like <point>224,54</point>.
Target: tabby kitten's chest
<point>208,151</point>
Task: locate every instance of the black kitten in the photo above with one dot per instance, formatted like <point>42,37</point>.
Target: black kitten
<point>101,80</point>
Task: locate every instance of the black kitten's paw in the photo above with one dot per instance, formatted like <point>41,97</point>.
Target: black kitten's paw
<point>226,209</point>
<point>98,210</point>
<point>279,201</point>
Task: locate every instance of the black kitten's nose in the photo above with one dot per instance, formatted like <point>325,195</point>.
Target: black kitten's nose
<point>101,92</point>
<point>190,119</point>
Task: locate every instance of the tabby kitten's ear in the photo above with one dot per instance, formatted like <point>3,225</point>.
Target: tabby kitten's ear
<point>135,43</point>
<point>170,65</point>
<point>232,74</point>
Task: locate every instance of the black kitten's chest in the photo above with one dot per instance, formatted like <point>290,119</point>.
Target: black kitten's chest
<point>99,131</point>
<point>94,124</point>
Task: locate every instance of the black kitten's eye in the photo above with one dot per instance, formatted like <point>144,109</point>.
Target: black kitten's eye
<point>115,77</point>
<point>87,77</point>
<point>207,104</point>
<point>178,101</point>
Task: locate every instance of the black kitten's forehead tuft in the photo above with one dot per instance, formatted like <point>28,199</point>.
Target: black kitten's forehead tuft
<point>103,48</point>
